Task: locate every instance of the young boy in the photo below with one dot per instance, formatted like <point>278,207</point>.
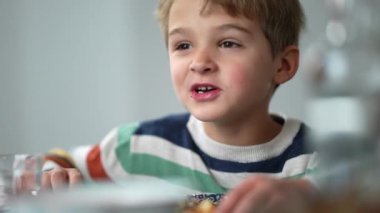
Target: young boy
<point>226,59</point>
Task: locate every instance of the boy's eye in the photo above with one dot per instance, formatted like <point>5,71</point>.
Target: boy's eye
<point>229,44</point>
<point>182,46</point>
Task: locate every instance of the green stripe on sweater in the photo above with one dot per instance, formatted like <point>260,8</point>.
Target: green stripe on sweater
<point>145,164</point>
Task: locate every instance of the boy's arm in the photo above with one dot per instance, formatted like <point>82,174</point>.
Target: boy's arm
<point>60,170</point>
<point>268,194</point>
<point>83,163</point>
<point>63,168</point>
<point>58,158</point>
<point>86,159</point>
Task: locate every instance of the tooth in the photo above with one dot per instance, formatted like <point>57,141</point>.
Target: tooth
<point>209,88</point>
<point>202,88</point>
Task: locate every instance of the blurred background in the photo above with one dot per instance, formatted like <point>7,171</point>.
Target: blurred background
<point>72,70</point>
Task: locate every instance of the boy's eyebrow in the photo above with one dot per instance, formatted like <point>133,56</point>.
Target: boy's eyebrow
<point>223,27</point>
<point>177,31</point>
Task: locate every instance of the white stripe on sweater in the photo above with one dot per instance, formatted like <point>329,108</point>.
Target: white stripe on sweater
<point>115,170</point>
<point>292,167</point>
<point>253,153</point>
<point>79,156</point>
<point>156,146</point>
<point>111,164</point>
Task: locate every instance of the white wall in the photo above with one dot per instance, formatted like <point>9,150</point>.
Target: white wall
<point>71,70</point>
<point>292,96</point>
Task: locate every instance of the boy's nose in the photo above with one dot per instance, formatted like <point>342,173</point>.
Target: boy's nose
<point>202,62</point>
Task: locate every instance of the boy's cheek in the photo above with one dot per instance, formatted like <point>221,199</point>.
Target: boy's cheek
<point>179,72</point>
<point>178,83</point>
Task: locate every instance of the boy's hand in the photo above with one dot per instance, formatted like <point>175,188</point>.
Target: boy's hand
<point>60,178</point>
<point>266,194</point>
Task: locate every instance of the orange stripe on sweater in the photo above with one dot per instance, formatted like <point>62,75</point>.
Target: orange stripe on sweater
<point>95,166</point>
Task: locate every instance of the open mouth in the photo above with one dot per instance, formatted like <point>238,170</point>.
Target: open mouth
<point>204,89</point>
<point>204,92</point>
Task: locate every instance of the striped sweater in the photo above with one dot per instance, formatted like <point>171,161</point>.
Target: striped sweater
<point>176,146</point>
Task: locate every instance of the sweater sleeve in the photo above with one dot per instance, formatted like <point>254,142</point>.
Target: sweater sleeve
<point>88,159</point>
<point>312,170</point>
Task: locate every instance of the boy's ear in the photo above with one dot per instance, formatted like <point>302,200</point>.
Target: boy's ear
<point>288,61</point>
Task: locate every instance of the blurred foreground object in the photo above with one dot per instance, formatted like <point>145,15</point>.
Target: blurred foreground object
<point>344,70</point>
<point>13,169</point>
<point>133,197</point>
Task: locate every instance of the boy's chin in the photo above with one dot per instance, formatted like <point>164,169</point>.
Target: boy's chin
<point>206,116</point>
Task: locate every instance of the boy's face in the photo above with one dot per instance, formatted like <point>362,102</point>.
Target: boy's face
<point>222,67</point>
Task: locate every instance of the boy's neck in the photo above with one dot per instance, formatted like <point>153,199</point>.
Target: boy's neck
<point>244,133</point>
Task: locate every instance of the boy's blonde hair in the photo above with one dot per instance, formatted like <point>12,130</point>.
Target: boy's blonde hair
<point>280,20</point>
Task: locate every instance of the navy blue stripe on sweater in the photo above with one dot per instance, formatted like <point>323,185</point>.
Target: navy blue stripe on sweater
<point>173,128</point>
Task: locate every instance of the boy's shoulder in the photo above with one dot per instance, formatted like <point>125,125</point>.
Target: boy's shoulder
<point>172,121</point>
<point>169,124</point>
<point>171,128</point>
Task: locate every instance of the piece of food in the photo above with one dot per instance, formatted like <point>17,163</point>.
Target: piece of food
<point>205,206</point>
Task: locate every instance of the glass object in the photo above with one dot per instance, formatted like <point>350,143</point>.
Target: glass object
<point>344,113</point>
<point>20,175</point>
